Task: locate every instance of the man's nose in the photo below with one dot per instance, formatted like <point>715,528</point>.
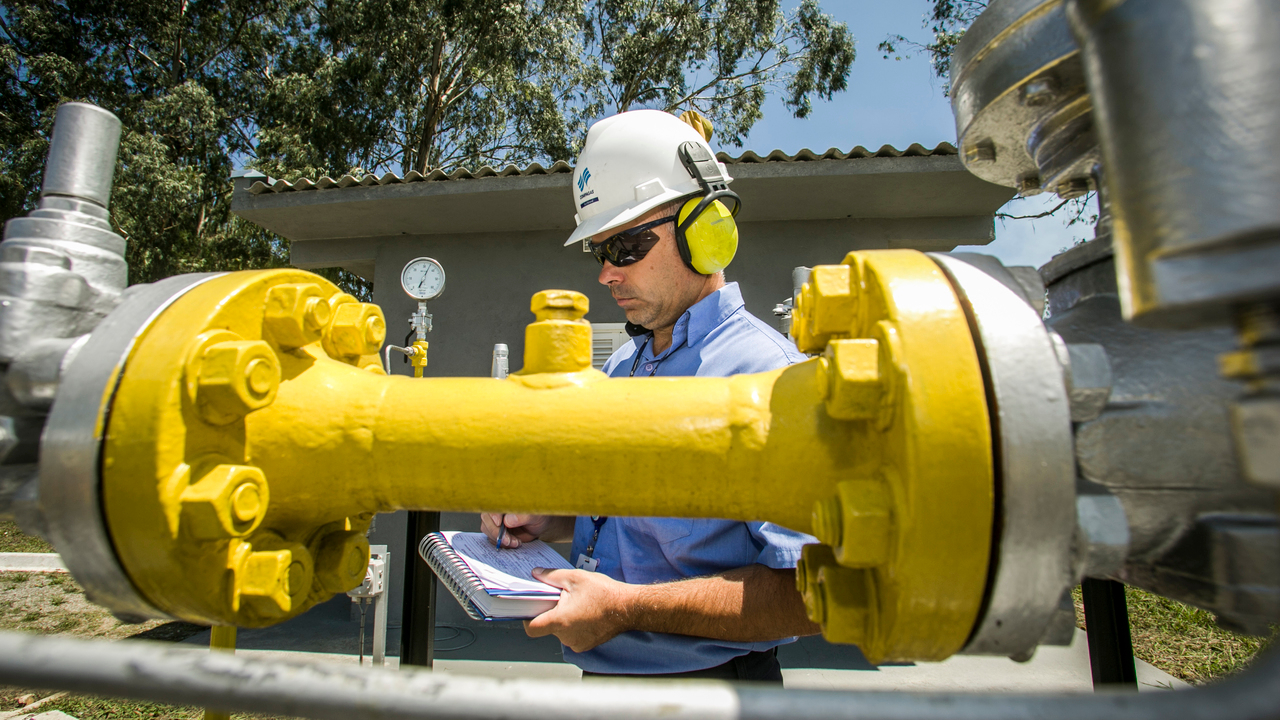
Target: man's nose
<point>610,274</point>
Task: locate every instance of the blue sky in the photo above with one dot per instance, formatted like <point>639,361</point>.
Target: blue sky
<point>899,103</point>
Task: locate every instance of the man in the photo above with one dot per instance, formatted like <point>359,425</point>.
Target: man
<point>668,596</point>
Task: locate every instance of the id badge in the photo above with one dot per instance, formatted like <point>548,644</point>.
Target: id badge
<point>586,563</point>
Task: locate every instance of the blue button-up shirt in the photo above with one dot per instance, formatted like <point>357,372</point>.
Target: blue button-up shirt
<point>715,338</point>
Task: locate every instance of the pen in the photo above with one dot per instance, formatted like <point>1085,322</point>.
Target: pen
<point>502,530</point>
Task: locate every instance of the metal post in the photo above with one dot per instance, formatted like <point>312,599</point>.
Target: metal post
<point>1107,626</point>
<point>418,623</point>
<point>221,639</point>
<point>380,615</point>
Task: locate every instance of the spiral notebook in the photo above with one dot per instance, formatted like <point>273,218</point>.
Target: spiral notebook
<point>489,583</point>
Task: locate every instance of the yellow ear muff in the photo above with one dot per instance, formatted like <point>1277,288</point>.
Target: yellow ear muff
<point>710,240</point>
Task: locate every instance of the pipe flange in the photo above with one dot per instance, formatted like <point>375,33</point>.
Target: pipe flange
<point>1031,432</point>
<point>71,450</point>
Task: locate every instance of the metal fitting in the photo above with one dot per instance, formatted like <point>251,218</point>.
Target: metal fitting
<point>234,377</point>
<point>559,305</point>
<point>1255,423</point>
<point>228,501</point>
<point>827,305</point>
<point>342,560</point>
<point>983,151</point>
<point>849,607</point>
<point>854,383</point>
<point>1102,535</point>
<point>1088,376</point>
<point>857,524</point>
<point>1072,188</point>
<point>559,341</point>
<point>356,329</point>
<point>1029,184</point>
<point>271,581</point>
<point>1040,91</point>
<point>296,314</point>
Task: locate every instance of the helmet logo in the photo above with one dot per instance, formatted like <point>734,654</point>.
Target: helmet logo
<point>584,179</point>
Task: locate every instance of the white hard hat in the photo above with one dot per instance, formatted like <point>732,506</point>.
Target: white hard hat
<point>629,165</point>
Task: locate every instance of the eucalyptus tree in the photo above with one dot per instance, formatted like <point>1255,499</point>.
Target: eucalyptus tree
<point>721,57</point>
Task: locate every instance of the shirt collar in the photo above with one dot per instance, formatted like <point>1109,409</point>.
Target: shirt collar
<point>706,315</point>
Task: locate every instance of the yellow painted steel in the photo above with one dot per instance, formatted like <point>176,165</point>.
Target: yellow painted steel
<point>249,446</point>
<point>221,639</point>
<point>419,357</point>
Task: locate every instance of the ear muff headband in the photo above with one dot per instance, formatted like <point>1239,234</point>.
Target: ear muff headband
<point>706,234</point>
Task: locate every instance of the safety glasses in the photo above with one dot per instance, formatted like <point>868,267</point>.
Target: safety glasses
<point>629,246</point>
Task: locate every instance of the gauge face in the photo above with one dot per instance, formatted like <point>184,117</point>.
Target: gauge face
<point>422,278</point>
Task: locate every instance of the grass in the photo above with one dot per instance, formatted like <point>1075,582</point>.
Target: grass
<point>1181,640</point>
<point>86,707</point>
<point>13,540</point>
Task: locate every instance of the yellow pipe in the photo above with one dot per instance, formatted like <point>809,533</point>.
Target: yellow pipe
<point>251,444</point>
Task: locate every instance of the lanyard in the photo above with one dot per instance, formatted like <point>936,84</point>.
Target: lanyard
<point>636,363</point>
<point>598,521</point>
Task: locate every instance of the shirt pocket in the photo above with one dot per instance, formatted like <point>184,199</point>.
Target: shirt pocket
<point>664,530</point>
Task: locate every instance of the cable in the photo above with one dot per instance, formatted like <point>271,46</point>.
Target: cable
<point>457,632</point>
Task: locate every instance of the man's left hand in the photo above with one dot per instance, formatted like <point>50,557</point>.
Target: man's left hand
<point>592,609</point>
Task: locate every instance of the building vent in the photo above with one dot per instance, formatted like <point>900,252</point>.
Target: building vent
<point>605,339</point>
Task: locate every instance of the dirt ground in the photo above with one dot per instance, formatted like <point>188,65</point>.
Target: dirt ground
<point>54,604</point>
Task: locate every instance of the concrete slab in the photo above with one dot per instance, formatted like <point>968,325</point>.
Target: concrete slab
<point>31,562</point>
<point>1051,670</point>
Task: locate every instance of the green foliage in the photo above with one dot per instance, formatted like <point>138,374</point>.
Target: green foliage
<point>947,22</point>
<point>719,56</point>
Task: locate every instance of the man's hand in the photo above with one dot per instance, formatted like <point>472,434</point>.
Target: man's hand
<point>523,528</point>
<point>592,608</point>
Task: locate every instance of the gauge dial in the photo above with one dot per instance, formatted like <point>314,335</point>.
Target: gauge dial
<point>422,278</point>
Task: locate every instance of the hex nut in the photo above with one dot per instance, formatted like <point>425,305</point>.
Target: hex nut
<point>827,305</point>
<point>559,305</point>
<point>228,501</point>
<point>1072,188</point>
<point>1039,92</point>
<point>273,581</point>
<point>296,314</point>
<point>1255,423</point>
<point>854,387</point>
<point>235,378</point>
<point>356,329</point>
<point>866,521</point>
<point>342,561</point>
<point>982,151</point>
<point>827,522</point>
<point>1029,184</point>
<point>1089,380</point>
<point>1102,535</point>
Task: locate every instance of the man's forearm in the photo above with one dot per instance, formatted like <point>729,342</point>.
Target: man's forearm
<point>559,529</point>
<point>748,604</point>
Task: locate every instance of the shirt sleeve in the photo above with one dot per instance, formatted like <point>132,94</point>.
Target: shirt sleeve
<point>780,547</point>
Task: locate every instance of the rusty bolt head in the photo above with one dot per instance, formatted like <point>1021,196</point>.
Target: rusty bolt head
<point>342,560</point>
<point>356,329</point>
<point>274,580</point>
<point>854,387</point>
<point>1040,92</point>
<point>228,501</point>
<point>296,313</point>
<point>982,151</point>
<point>1072,188</point>
<point>235,378</point>
<point>559,305</point>
<point>1029,184</point>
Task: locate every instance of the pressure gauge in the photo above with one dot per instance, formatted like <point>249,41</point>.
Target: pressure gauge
<point>422,278</point>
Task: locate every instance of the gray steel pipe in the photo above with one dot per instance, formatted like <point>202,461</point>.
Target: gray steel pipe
<point>82,154</point>
<point>180,676</point>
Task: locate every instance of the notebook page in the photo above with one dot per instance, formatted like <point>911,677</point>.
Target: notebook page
<point>507,570</point>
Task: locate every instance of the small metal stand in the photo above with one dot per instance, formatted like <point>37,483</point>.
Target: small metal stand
<point>1106,619</point>
<point>375,587</point>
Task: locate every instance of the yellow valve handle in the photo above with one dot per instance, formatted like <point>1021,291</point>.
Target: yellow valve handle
<point>882,448</point>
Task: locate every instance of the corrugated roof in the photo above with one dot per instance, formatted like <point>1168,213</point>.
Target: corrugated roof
<point>560,166</point>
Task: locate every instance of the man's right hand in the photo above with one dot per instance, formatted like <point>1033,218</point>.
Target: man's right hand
<point>521,528</point>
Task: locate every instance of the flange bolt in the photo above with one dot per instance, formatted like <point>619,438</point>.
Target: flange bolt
<point>357,329</point>
<point>235,378</point>
<point>296,313</point>
<point>228,501</point>
<point>342,560</point>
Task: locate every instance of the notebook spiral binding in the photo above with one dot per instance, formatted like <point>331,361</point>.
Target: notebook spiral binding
<point>453,571</point>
